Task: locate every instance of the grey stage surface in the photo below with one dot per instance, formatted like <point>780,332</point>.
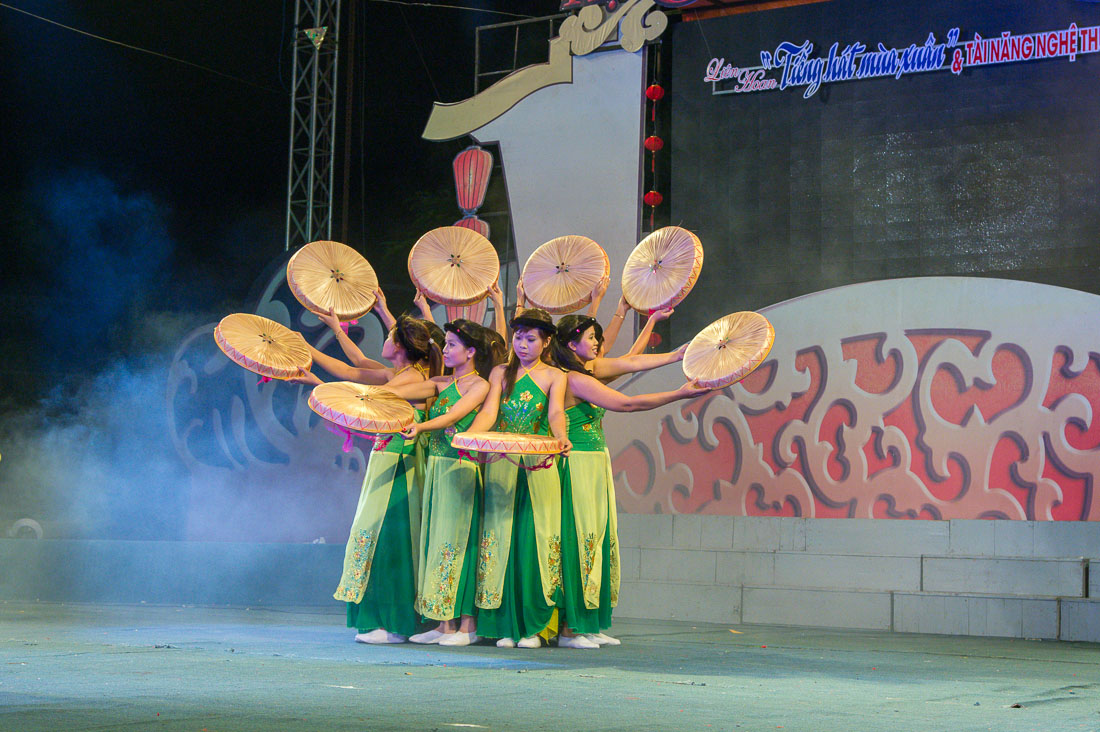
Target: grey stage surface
<point>99,667</point>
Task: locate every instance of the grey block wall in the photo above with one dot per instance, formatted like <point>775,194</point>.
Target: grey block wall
<point>996,578</point>
<point>169,572</point>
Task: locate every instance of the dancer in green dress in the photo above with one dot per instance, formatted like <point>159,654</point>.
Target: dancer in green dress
<point>519,560</point>
<point>590,547</point>
<point>380,562</point>
<point>449,530</point>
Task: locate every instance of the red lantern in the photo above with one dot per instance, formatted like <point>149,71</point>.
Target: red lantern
<point>654,143</point>
<point>653,198</point>
<point>472,168</point>
<point>654,92</point>
<point>474,223</point>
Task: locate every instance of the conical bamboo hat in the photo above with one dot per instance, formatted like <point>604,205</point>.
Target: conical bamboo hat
<point>560,275</point>
<point>453,265</point>
<point>510,443</point>
<point>328,274</point>
<point>662,269</point>
<point>729,349</point>
<point>360,407</point>
<point>263,346</point>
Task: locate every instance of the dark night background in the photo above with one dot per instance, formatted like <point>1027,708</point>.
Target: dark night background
<point>142,198</point>
<point>134,183</point>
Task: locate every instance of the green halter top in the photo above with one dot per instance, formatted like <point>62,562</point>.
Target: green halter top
<point>586,427</point>
<point>524,411</point>
<point>439,443</point>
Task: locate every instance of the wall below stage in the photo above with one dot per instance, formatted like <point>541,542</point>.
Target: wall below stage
<point>997,578</point>
<point>1021,579</point>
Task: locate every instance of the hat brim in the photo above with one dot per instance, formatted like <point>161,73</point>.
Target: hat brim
<point>522,321</point>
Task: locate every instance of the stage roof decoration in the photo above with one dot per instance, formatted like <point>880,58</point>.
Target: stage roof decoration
<point>636,21</point>
<point>611,4</point>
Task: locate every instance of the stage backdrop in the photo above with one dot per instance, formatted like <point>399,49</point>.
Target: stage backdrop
<point>930,397</point>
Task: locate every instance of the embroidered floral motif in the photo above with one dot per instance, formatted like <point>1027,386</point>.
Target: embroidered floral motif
<point>357,567</point>
<point>588,427</point>
<point>443,603</point>
<point>486,558</point>
<point>589,549</point>
<point>614,570</point>
<point>554,561</point>
<point>521,413</point>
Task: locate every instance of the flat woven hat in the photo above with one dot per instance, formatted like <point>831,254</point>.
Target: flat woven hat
<point>662,269</point>
<point>729,349</point>
<point>509,443</point>
<point>560,275</point>
<point>262,345</point>
<point>328,274</point>
<point>362,408</point>
<point>454,265</point>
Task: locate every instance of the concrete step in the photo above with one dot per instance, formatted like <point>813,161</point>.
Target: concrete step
<point>1022,576</point>
<point>974,614</point>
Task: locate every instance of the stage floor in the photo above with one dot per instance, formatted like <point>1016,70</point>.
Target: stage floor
<point>95,667</point>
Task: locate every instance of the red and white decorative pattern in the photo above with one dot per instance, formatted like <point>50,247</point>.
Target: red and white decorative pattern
<point>923,398</point>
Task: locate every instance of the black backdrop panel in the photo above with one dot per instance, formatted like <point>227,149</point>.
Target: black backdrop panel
<point>995,172</point>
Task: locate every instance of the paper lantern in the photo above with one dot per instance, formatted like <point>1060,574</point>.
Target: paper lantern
<point>472,167</point>
<point>473,223</point>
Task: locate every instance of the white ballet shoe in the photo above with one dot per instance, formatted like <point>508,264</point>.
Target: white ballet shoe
<point>576,641</point>
<point>380,636</point>
<point>458,638</point>
<point>431,636</point>
<point>373,636</point>
<point>506,643</point>
<point>603,639</point>
<point>531,641</point>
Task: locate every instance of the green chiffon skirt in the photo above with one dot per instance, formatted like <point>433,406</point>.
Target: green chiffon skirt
<point>391,590</point>
<point>523,611</point>
<point>575,614</point>
<point>466,596</point>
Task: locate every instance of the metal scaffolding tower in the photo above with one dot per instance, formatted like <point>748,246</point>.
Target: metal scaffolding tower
<point>312,122</point>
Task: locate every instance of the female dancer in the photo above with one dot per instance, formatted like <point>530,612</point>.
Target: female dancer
<point>609,337</point>
<point>519,561</point>
<point>496,296</point>
<point>590,547</point>
<point>449,530</point>
<point>385,530</point>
